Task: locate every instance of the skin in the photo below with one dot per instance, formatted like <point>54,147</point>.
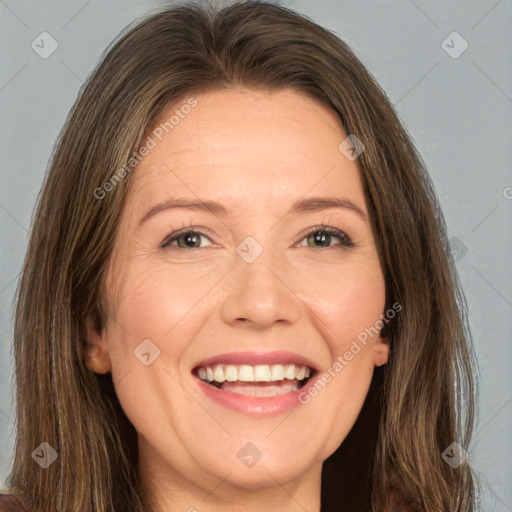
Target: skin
<point>256,153</point>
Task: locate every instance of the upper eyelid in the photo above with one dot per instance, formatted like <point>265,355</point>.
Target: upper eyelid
<point>208,234</point>
<point>183,231</point>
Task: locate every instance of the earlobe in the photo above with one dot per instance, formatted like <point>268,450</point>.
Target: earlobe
<point>381,351</point>
<point>96,351</point>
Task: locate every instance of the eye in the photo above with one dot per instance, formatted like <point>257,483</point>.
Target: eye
<point>324,235</point>
<point>185,239</point>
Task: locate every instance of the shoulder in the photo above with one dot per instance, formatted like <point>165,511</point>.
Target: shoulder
<point>10,503</point>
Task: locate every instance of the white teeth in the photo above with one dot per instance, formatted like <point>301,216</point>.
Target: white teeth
<point>245,373</point>
<point>218,374</point>
<point>231,373</point>
<point>262,373</point>
<point>289,371</point>
<point>300,372</point>
<point>277,372</point>
<point>257,373</point>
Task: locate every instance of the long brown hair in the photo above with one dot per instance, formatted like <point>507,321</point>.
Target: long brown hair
<point>418,405</point>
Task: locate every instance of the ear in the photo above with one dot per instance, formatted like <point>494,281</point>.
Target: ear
<point>381,351</point>
<point>96,354</point>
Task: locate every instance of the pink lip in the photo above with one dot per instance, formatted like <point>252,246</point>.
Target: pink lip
<point>255,406</point>
<point>253,358</point>
<point>251,405</point>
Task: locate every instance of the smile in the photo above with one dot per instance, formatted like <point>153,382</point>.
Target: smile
<point>258,384</point>
<point>257,380</point>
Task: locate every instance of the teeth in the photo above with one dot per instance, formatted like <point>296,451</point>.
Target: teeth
<point>231,373</point>
<point>289,371</point>
<point>277,372</point>
<point>262,373</point>
<point>258,373</point>
<point>245,373</point>
<point>218,374</point>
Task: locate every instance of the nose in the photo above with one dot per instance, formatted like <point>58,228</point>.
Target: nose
<point>261,293</point>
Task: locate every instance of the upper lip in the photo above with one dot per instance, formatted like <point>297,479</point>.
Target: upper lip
<point>255,358</point>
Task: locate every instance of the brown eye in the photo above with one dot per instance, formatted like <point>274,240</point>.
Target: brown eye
<point>189,239</point>
<point>324,235</point>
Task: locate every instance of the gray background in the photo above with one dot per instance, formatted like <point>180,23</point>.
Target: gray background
<point>458,110</point>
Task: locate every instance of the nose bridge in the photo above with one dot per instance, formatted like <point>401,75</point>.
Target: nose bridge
<point>258,291</point>
<point>256,261</point>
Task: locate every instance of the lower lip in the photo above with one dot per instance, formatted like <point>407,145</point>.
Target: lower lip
<point>252,405</point>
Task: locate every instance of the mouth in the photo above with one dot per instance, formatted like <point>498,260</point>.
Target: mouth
<point>260,380</point>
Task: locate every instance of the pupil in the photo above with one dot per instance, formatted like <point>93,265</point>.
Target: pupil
<point>187,238</point>
<point>321,237</point>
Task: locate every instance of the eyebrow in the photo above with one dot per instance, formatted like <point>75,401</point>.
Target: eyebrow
<point>308,204</point>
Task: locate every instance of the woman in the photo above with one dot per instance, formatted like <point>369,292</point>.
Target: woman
<point>238,288</point>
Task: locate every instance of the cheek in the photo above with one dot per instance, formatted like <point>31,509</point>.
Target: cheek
<point>346,309</point>
<point>158,303</point>
<point>151,328</point>
<point>155,299</point>
<point>348,298</point>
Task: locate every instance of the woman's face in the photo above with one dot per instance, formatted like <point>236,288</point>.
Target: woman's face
<point>254,288</point>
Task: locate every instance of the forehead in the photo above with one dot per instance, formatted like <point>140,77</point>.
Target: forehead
<point>246,147</point>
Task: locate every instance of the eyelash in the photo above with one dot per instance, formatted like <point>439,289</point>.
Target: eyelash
<point>326,230</point>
